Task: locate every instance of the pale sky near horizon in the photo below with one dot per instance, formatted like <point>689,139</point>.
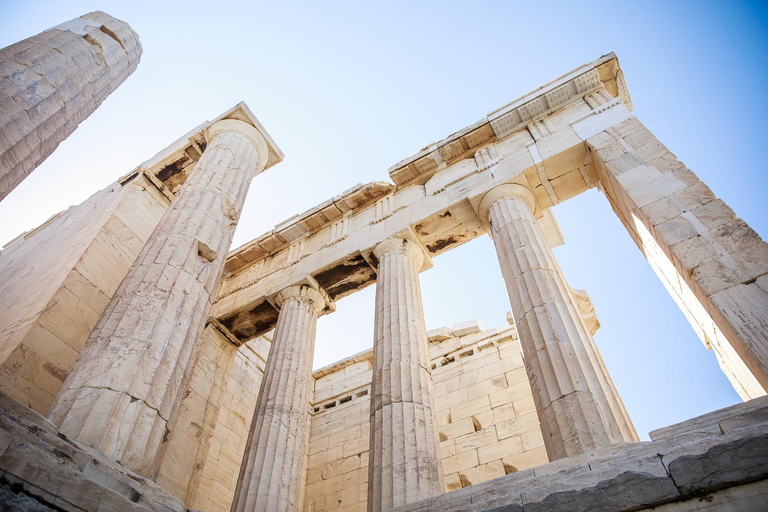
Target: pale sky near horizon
<point>347,89</point>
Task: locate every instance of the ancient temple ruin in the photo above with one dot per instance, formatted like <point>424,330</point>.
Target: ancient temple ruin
<point>147,366</point>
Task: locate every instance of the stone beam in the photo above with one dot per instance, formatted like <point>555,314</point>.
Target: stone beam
<point>437,207</point>
<point>53,81</point>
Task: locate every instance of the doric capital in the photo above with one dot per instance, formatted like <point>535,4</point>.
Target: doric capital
<point>512,190</point>
<point>400,245</point>
<point>318,298</point>
<point>244,129</point>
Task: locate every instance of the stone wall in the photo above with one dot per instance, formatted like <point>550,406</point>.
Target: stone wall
<point>220,469</point>
<point>487,420</point>
<point>77,259</point>
<point>715,462</point>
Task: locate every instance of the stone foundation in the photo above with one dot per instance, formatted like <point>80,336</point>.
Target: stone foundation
<point>41,470</point>
<point>718,461</point>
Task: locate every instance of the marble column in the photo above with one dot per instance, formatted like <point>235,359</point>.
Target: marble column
<point>52,82</point>
<point>274,464</point>
<point>405,462</point>
<point>576,402</point>
<point>128,377</point>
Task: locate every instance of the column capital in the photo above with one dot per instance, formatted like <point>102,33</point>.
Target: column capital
<point>512,190</point>
<point>244,129</point>
<point>318,298</point>
<point>404,245</point>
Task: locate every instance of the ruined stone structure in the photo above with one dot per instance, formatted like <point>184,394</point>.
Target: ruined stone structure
<point>53,81</point>
<point>150,367</point>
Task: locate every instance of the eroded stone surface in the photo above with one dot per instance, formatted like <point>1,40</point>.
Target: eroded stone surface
<point>126,384</point>
<point>568,136</point>
<point>632,477</point>
<point>54,472</point>
<point>578,406</point>
<point>404,461</point>
<point>52,81</point>
<point>272,474</point>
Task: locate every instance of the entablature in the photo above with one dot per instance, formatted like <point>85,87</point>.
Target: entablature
<point>603,73</point>
<point>308,223</point>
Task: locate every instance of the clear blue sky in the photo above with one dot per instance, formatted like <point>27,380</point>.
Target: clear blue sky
<point>348,89</point>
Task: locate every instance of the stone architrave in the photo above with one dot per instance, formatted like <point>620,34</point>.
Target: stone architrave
<point>51,82</point>
<point>577,405</point>
<point>274,464</point>
<point>405,463</point>
<point>125,384</point>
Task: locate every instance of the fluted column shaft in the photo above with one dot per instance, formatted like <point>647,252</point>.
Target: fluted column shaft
<point>405,463</point>
<point>577,405</point>
<point>125,384</point>
<point>274,463</point>
<point>55,80</point>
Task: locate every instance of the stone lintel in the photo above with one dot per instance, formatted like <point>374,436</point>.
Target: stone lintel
<point>360,357</point>
<point>225,332</point>
<point>334,245</point>
<point>307,223</point>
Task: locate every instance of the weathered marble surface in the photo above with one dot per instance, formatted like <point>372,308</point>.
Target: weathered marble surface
<point>274,465</point>
<point>711,262</point>
<point>682,474</point>
<point>578,406</point>
<point>45,469</point>
<point>52,81</point>
<point>487,422</point>
<point>405,465</point>
<point>126,383</point>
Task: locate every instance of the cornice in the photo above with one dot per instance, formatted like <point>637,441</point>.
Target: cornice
<point>307,223</point>
<point>513,117</point>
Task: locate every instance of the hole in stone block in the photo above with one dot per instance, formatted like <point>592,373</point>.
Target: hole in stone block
<point>509,468</point>
<point>467,353</point>
<point>447,360</point>
<point>192,152</point>
<point>361,393</point>
<point>485,347</point>
<point>443,437</point>
<point>476,424</point>
<point>345,399</point>
<point>317,409</point>
<point>464,481</point>
<point>330,405</point>
<point>434,365</point>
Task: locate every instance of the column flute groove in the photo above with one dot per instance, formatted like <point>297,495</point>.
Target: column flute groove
<point>274,462</point>
<point>577,405</point>
<point>126,383</point>
<point>405,464</point>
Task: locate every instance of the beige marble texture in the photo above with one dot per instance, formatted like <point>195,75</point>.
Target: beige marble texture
<point>578,407</point>
<point>126,383</point>
<point>51,82</point>
<point>404,462</point>
<point>273,470</point>
<point>711,262</point>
